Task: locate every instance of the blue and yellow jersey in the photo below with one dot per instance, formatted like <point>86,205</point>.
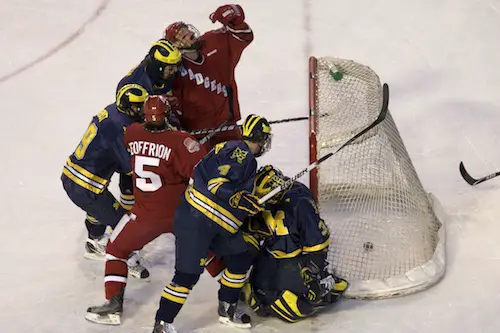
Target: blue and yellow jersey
<point>101,152</point>
<point>294,225</point>
<point>230,167</point>
<point>138,75</point>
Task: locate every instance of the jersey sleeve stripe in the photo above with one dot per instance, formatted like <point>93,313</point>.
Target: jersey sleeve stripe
<point>213,211</point>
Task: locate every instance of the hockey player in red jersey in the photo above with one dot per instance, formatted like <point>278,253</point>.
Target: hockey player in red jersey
<point>206,85</point>
<point>163,160</point>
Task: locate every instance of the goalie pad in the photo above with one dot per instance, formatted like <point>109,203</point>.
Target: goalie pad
<point>290,307</point>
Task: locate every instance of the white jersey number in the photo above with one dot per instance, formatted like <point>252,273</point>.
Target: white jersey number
<point>146,181</point>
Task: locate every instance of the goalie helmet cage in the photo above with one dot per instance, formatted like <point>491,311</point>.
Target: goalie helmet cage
<point>388,238</point>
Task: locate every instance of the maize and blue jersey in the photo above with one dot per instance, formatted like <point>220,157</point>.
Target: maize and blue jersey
<point>230,167</point>
<point>101,151</point>
<point>294,225</point>
<point>138,75</point>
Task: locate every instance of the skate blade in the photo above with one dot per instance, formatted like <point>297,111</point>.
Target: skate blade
<point>137,275</point>
<point>227,321</point>
<point>111,319</point>
<point>94,256</point>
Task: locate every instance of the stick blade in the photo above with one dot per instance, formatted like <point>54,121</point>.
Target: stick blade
<point>466,176</point>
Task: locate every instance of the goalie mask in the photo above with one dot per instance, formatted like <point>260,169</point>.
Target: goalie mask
<point>267,179</point>
<point>256,129</point>
<point>130,100</point>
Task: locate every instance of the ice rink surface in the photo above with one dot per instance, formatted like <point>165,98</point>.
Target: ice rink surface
<point>60,62</point>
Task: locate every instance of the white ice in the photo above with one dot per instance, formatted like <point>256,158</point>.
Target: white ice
<point>60,61</point>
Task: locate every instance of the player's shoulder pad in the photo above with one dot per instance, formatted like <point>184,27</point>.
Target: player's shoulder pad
<point>299,193</point>
<point>191,144</point>
<point>239,151</point>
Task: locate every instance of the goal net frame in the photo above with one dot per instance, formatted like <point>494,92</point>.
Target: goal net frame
<point>414,279</point>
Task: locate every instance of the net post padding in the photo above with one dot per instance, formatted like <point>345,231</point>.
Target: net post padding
<point>313,177</point>
<point>388,235</point>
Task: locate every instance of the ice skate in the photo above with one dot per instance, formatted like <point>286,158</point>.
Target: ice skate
<point>163,327</point>
<point>136,268</point>
<point>95,248</point>
<point>229,314</point>
<point>107,314</point>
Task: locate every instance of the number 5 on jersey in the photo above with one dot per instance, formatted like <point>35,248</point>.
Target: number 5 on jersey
<point>147,181</point>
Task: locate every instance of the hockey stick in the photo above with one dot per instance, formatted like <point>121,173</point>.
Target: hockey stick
<point>212,134</point>
<point>472,181</point>
<point>231,127</point>
<point>380,118</point>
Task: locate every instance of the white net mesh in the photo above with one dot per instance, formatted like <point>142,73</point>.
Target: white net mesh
<point>386,237</point>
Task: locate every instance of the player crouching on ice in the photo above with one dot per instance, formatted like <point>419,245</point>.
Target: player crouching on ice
<point>217,201</point>
<point>289,279</point>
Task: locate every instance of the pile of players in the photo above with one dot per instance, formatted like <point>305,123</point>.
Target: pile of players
<point>271,255</point>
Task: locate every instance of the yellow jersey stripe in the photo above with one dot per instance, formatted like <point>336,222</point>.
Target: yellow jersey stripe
<point>283,255</point>
<point>86,173</point>
<point>213,211</point>
<point>318,247</point>
<point>81,182</point>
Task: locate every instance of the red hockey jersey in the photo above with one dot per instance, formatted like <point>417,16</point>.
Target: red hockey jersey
<point>201,87</point>
<point>162,164</point>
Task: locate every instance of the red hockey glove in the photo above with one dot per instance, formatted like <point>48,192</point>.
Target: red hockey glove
<point>173,101</point>
<point>228,15</point>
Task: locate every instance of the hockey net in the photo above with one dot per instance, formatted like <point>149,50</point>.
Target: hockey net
<point>387,232</point>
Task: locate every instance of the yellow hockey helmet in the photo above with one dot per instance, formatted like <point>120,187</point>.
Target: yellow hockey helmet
<point>130,100</point>
<point>257,129</point>
<point>164,52</point>
<point>267,179</point>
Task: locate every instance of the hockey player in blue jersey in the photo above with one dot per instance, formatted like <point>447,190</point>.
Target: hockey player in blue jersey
<point>88,170</point>
<point>217,201</point>
<point>157,71</point>
<point>290,279</point>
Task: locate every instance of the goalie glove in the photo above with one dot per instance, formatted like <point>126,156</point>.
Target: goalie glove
<point>246,201</point>
<point>231,15</point>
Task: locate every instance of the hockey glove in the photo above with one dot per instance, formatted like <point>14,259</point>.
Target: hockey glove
<point>228,15</point>
<point>246,201</point>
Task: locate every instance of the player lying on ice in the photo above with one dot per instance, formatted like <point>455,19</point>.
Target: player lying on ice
<point>290,242</point>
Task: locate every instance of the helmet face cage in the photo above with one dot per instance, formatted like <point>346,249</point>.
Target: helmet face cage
<point>265,145</point>
<point>184,36</point>
<point>257,129</point>
<point>165,58</point>
<point>130,99</point>
<point>268,178</point>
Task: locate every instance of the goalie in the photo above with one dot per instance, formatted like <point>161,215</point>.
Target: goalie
<point>290,279</point>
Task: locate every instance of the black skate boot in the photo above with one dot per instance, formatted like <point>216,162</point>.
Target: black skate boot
<point>107,314</point>
<point>230,315</point>
<point>163,327</point>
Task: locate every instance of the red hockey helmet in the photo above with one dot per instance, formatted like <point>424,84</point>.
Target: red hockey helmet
<point>155,109</point>
<point>184,36</point>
